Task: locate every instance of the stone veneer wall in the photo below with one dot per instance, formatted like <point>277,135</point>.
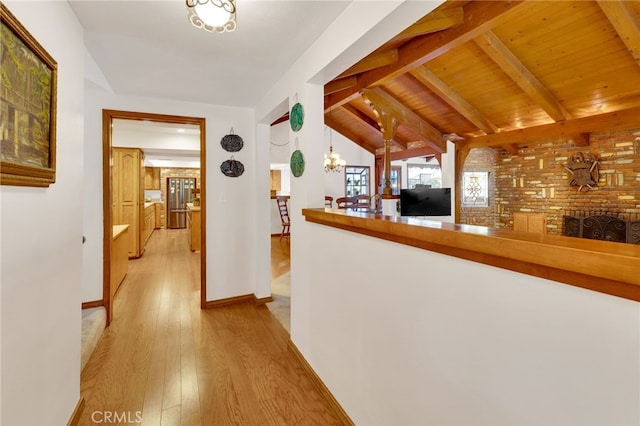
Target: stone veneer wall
<point>174,172</point>
<point>535,181</point>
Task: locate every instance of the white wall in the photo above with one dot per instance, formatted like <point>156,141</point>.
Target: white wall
<point>41,247</point>
<point>354,155</point>
<point>415,337</point>
<point>231,229</point>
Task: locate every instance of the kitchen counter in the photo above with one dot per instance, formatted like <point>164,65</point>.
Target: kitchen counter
<point>193,224</point>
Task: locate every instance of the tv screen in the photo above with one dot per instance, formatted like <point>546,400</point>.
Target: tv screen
<point>425,202</point>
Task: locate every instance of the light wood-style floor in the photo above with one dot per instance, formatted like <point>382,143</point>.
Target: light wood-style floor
<point>169,362</point>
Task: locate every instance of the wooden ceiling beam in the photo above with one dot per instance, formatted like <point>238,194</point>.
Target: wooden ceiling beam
<point>371,62</point>
<point>479,17</point>
<point>450,96</point>
<point>511,65</point>
<point>436,21</point>
<point>349,134</point>
<point>409,119</point>
<point>373,124</point>
<point>580,139</point>
<point>339,84</point>
<point>621,18</point>
<point>411,153</point>
<point>607,122</point>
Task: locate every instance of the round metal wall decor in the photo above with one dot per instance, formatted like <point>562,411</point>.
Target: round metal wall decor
<point>297,163</point>
<point>232,142</point>
<point>232,168</point>
<point>296,117</point>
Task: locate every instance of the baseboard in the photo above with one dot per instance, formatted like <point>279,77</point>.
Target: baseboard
<point>92,304</point>
<point>324,390</point>
<point>230,301</point>
<point>245,298</point>
<point>262,300</point>
<point>77,412</point>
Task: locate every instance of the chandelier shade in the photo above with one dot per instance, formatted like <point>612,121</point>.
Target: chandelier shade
<point>217,16</point>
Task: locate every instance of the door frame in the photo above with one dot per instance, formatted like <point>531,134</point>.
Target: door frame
<point>108,116</point>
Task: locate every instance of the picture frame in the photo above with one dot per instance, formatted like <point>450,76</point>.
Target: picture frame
<point>27,107</point>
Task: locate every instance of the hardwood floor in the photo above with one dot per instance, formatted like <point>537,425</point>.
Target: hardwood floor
<point>167,362</point>
<point>280,256</point>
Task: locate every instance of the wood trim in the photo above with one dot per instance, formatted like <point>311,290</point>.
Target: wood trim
<point>607,122</point>
<point>108,116</point>
<point>77,412</point>
<point>262,300</point>
<point>92,304</point>
<point>602,266</point>
<point>322,388</point>
<point>211,304</point>
<point>245,298</point>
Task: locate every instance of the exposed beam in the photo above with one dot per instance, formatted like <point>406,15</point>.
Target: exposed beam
<point>359,115</point>
<point>411,153</point>
<point>621,18</point>
<point>409,119</point>
<point>580,139</point>
<point>450,96</point>
<point>479,17</point>
<point>339,84</point>
<point>371,62</point>
<point>349,134</point>
<point>511,148</point>
<point>516,70</point>
<point>436,21</point>
<point>608,122</point>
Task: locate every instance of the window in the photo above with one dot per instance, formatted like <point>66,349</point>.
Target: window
<point>395,178</point>
<point>424,174</point>
<point>356,181</point>
<point>475,189</point>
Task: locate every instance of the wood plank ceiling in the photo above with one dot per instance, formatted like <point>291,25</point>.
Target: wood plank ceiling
<point>496,74</point>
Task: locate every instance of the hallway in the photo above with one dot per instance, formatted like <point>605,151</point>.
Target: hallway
<point>165,361</point>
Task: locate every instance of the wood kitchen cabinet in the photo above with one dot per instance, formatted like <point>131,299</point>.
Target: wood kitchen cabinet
<point>152,178</point>
<point>149,221</point>
<point>530,222</point>
<point>276,181</point>
<point>193,224</point>
<point>128,194</point>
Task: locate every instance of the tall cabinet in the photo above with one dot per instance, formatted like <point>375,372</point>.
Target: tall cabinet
<point>128,195</point>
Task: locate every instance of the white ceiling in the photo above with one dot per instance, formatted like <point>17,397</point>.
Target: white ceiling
<point>149,48</point>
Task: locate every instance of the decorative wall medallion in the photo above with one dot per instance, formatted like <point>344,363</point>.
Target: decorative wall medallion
<point>232,168</point>
<point>296,117</point>
<point>297,163</point>
<point>231,142</point>
<point>583,170</point>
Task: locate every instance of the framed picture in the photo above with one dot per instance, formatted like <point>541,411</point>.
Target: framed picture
<point>27,107</point>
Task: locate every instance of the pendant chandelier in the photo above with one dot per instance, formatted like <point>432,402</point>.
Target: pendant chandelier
<point>333,162</point>
<point>215,16</point>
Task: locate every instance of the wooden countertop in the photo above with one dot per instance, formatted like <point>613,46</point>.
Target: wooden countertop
<point>119,230</point>
<point>607,267</point>
<point>193,208</point>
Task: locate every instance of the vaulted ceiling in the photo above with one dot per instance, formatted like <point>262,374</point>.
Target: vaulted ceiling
<point>496,74</point>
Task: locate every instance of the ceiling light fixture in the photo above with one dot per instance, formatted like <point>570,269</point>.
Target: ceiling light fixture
<point>333,162</point>
<point>215,16</point>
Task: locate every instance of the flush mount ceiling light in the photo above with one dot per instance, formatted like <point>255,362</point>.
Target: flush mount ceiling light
<point>215,16</point>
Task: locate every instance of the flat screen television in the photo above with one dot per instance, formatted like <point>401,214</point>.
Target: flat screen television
<point>425,202</point>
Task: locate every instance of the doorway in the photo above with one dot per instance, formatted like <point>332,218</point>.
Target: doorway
<point>108,116</point>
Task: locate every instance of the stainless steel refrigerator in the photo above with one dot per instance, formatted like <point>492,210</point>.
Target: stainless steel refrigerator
<point>179,194</point>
